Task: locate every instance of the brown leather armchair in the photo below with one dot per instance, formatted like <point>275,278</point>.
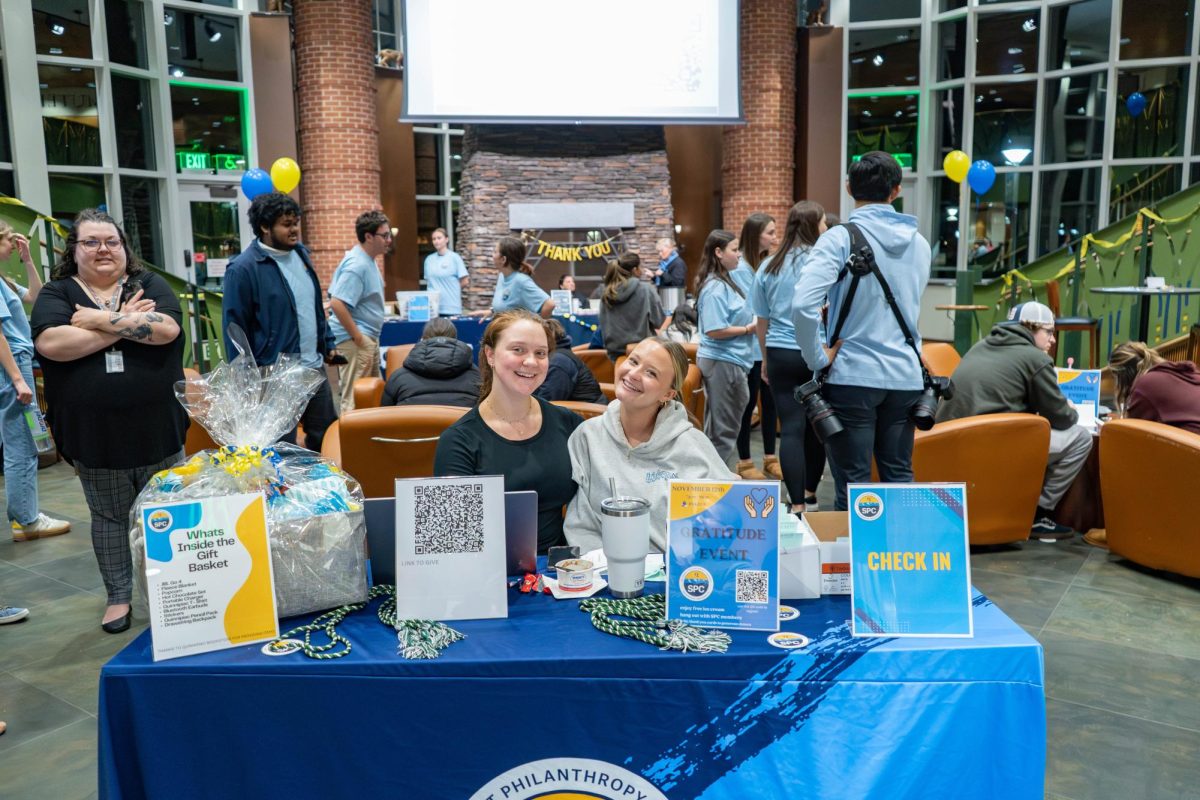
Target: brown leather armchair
<point>378,445</point>
<point>368,392</point>
<point>1148,478</point>
<point>940,357</point>
<point>197,438</point>
<point>1002,460</point>
<point>585,410</point>
<point>395,358</point>
<point>597,361</point>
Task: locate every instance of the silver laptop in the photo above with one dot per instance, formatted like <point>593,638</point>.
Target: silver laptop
<point>520,535</point>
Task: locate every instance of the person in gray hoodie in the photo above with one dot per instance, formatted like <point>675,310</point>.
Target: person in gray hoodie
<point>629,308</point>
<point>1010,371</point>
<point>642,441</point>
<point>874,375</point>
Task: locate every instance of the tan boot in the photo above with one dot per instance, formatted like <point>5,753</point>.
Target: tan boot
<point>749,472</point>
<point>771,468</point>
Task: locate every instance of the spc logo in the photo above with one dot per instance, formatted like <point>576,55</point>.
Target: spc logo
<point>159,520</point>
<point>568,779</point>
<point>868,506</point>
<point>696,583</point>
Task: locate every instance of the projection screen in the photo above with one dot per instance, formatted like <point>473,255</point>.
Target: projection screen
<point>571,61</point>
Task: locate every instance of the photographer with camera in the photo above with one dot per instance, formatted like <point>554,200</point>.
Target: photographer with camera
<point>1010,371</point>
<point>871,388</point>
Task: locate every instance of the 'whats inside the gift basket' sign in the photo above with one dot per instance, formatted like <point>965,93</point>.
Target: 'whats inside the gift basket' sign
<point>209,575</point>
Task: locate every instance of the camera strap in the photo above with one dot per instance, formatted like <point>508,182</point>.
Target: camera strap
<point>863,255</point>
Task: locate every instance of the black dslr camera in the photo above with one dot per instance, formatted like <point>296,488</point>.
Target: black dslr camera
<point>936,387</point>
<point>820,414</point>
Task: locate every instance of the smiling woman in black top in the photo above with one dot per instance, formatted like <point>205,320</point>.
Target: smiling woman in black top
<point>107,336</point>
<point>511,432</point>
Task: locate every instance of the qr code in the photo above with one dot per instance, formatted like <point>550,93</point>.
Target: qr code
<point>751,586</point>
<point>449,519</point>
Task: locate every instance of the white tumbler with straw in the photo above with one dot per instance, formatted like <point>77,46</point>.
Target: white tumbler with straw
<point>625,531</point>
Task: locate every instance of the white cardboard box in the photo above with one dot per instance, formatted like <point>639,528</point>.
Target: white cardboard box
<point>832,529</point>
<point>800,566</point>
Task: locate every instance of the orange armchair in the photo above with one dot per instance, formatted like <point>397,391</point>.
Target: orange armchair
<point>378,445</point>
<point>598,362</point>
<point>368,392</point>
<point>940,357</point>
<point>395,358</point>
<point>585,410</point>
<point>1148,479</point>
<point>197,438</point>
<point>1002,460</point>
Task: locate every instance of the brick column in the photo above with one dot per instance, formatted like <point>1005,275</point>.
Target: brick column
<point>758,162</point>
<point>336,126</point>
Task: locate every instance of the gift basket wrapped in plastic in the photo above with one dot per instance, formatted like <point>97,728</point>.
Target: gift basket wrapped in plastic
<point>314,510</point>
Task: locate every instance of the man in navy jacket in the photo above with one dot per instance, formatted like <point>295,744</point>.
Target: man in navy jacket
<point>273,294</point>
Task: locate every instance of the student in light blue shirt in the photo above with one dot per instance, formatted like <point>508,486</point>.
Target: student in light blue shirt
<point>758,238</point>
<point>726,330</point>
<point>514,284</point>
<point>802,456</point>
<point>17,397</point>
<point>356,298</point>
<point>446,274</point>
<point>875,377</point>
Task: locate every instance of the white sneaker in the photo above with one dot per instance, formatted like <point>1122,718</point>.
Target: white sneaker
<point>40,528</point>
<point>12,614</point>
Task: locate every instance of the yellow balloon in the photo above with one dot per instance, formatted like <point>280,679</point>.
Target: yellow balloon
<point>285,174</point>
<point>957,164</point>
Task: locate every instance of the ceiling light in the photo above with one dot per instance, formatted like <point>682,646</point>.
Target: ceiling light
<point>168,18</point>
<point>210,30</point>
<point>1015,155</point>
<point>1029,25</point>
<point>1015,51</point>
<point>866,112</point>
<point>858,60</point>
<point>56,27</point>
<point>877,60</point>
<point>177,73</point>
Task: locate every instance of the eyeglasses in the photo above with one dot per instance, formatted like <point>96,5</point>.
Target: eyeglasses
<point>387,235</point>
<point>92,245</point>
<point>1046,329</point>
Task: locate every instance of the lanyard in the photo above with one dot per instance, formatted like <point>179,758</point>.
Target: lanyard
<point>108,305</point>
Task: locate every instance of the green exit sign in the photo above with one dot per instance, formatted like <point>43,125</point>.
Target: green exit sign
<point>194,161</point>
<point>904,159</point>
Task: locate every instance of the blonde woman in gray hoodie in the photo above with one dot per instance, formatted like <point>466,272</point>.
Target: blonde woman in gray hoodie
<point>643,440</point>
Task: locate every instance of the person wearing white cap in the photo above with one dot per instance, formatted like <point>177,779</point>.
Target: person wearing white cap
<point>1010,370</point>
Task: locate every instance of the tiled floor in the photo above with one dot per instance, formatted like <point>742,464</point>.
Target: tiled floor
<point>1122,651</point>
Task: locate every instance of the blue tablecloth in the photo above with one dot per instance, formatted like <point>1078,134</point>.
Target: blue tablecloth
<point>842,718</point>
<point>470,330</point>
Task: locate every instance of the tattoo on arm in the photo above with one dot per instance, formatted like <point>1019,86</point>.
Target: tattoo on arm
<point>138,333</point>
<point>115,317</point>
<point>150,316</point>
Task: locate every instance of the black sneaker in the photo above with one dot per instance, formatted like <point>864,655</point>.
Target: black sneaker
<point>1047,530</point>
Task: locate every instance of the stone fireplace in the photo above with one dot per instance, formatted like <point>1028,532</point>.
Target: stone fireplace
<point>615,177</point>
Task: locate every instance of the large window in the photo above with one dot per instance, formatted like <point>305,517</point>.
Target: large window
<point>439,167</point>
<point>1046,90</point>
<point>883,121</point>
<point>210,134</point>
<point>885,57</point>
<point>70,118</point>
<point>125,24</point>
<point>62,28</point>
<point>202,45</point>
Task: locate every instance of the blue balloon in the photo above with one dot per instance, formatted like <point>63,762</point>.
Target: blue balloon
<point>256,182</point>
<point>1135,104</point>
<point>981,176</point>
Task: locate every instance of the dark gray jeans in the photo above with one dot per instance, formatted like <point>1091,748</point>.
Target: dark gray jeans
<point>876,424</point>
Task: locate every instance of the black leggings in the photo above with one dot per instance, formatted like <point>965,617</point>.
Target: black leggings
<point>768,416</point>
<point>802,456</point>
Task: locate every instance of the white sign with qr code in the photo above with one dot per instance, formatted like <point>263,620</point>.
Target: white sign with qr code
<point>450,548</point>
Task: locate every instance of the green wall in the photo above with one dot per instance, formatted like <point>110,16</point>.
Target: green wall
<point>1174,254</point>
